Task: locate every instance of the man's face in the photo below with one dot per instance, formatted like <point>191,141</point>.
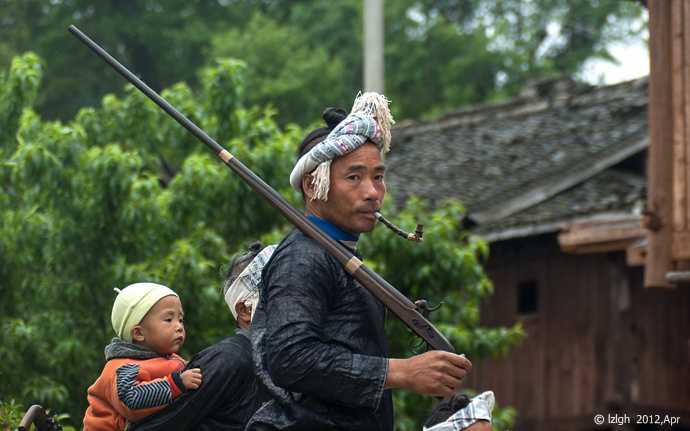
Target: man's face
<point>356,191</point>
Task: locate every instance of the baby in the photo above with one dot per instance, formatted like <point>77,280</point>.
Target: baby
<point>142,371</point>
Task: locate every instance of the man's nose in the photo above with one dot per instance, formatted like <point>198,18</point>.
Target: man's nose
<point>372,190</point>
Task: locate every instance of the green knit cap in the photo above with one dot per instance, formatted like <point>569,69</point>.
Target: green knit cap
<point>132,304</point>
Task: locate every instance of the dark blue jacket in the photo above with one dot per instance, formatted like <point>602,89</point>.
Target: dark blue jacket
<point>319,345</point>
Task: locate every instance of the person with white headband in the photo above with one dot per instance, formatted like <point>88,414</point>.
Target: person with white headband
<point>229,394</point>
<point>241,289</point>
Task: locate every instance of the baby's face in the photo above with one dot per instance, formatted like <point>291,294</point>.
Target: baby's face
<point>163,326</point>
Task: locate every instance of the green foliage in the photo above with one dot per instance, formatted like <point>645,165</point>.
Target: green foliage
<point>105,201</point>
<point>552,37</point>
<point>307,54</point>
<point>10,415</point>
<point>503,419</point>
<point>18,90</point>
<point>121,194</point>
<point>163,40</point>
<point>439,55</point>
<point>286,71</point>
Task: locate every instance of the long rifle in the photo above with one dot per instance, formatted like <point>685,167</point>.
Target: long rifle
<point>398,303</point>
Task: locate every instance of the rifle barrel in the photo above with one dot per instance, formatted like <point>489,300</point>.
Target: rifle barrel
<point>398,303</point>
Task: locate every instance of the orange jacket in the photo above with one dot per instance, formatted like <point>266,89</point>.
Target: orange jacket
<point>106,412</point>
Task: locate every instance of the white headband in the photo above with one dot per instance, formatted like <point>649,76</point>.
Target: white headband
<point>245,288</point>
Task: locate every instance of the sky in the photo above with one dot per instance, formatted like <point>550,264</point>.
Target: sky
<point>633,59</point>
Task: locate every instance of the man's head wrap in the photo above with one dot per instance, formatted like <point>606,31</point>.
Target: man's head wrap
<point>245,287</point>
<point>369,120</point>
<point>332,117</point>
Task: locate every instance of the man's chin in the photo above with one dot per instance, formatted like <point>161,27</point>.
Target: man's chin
<point>367,227</point>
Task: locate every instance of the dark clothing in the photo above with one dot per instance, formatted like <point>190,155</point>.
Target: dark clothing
<point>319,345</point>
<point>226,398</point>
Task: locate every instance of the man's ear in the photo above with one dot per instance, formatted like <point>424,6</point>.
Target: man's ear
<point>308,187</point>
<point>244,315</point>
<point>138,334</point>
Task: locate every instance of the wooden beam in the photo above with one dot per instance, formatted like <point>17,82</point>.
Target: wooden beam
<point>601,247</point>
<point>599,236</point>
<point>660,179</point>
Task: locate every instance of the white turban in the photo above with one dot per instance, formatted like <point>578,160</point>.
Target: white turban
<point>369,121</point>
<point>245,288</point>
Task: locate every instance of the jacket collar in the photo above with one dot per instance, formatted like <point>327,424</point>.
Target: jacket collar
<point>122,349</point>
<point>348,239</point>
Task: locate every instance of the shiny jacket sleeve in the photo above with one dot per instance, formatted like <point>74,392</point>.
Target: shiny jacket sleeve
<point>300,357</point>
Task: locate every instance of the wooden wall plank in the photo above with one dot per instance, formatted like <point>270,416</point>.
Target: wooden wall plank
<point>603,352</point>
<point>678,111</point>
<point>686,78</point>
<point>588,367</point>
<point>681,245</point>
<point>599,339</point>
<point>663,367</point>
<point>660,179</point>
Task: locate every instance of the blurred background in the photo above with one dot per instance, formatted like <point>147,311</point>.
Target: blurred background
<point>521,144</point>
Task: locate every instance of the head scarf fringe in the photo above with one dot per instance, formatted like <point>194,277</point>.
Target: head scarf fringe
<point>376,105</point>
<point>321,181</point>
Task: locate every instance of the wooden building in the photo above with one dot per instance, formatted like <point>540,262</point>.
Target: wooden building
<point>555,180</point>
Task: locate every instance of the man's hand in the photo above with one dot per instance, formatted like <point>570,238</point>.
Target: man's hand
<point>191,378</point>
<point>434,373</point>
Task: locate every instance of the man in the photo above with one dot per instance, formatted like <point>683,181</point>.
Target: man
<point>228,395</point>
<point>318,336</point>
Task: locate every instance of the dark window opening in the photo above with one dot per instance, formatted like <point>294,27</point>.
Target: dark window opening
<point>528,298</point>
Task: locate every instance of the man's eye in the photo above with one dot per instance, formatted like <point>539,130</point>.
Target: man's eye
<point>353,178</point>
<point>169,319</point>
<point>378,177</point>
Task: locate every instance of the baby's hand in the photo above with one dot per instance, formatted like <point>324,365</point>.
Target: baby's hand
<point>191,378</point>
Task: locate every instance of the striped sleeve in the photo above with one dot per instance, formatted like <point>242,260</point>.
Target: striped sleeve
<point>141,395</point>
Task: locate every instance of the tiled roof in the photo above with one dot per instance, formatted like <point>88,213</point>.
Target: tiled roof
<point>611,191</point>
<point>528,160</point>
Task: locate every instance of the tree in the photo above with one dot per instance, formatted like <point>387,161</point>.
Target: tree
<point>122,194</point>
<point>306,55</point>
<point>297,79</point>
<point>441,55</point>
<point>85,209</point>
<point>165,41</point>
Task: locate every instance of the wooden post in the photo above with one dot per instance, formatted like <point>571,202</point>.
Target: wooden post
<point>661,132</point>
<point>681,142</point>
